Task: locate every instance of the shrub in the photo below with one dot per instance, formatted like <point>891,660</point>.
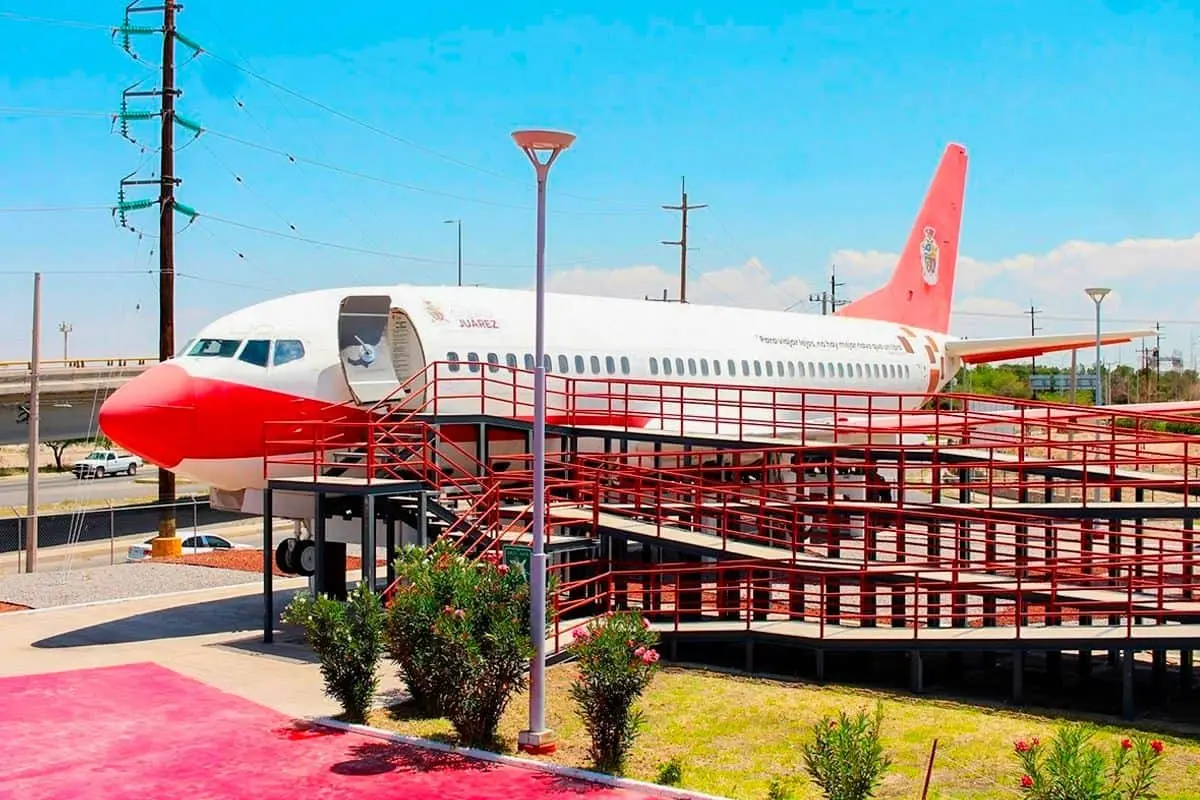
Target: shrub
<point>670,773</point>
<point>845,757</point>
<point>616,661</point>
<point>460,632</point>
<point>347,639</point>
<point>1072,767</point>
<point>778,791</point>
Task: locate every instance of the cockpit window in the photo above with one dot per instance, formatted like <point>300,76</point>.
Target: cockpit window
<point>288,350</point>
<point>256,352</point>
<point>215,348</point>
<point>184,350</point>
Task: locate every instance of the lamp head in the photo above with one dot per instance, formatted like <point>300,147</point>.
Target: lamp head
<point>1097,294</point>
<point>451,221</point>
<point>536,140</point>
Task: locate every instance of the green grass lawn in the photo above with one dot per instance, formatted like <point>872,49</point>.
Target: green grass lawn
<point>735,734</point>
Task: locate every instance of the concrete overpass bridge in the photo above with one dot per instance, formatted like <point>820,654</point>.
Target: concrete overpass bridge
<point>71,394</point>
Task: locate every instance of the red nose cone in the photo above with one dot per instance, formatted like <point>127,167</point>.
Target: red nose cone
<point>153,416</point>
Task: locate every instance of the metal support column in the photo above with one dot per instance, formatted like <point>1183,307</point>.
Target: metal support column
<point>268,568</point>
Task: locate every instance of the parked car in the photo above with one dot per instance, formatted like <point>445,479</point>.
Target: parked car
<point>106,462</point>
<point>203,543</point>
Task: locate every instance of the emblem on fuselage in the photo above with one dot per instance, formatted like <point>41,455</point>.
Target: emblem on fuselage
<point>434,312</point>
<point>929,257</point>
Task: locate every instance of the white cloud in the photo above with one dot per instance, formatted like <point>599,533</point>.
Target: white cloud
<point>749,286</point>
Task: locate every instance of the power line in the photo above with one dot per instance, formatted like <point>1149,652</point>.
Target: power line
<point>53,209</point>
<point>355,249</point>
<point>684,208</point>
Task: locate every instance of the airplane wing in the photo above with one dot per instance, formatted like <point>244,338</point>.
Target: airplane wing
<point>982,351</point>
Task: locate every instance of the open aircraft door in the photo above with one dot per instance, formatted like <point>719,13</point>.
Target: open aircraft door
<point>379,350</point>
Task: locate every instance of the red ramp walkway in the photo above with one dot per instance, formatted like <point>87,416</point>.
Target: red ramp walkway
<point>141,731</point>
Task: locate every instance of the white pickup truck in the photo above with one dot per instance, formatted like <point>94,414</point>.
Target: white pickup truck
<point>106,462</point>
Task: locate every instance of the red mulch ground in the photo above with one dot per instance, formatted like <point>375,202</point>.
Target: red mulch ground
<point>99,734</point>
<point>242,560</point>
<point>11,607</point>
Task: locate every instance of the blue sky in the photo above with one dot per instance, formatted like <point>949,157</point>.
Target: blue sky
<point>810,129</point>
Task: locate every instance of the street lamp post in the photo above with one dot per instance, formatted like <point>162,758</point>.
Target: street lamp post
<point>1098,294</point>
<point>538,739</point>
<point>458,222</point>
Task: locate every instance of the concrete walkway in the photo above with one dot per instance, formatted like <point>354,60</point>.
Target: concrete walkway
<point>212,635</point>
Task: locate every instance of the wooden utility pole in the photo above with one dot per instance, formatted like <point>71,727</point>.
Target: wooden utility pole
<point>166,263</point>
<point>35,370</point>
<point>682,243</point>
<point>1033,329</point>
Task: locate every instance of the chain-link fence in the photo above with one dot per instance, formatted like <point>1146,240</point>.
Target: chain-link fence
<point>90,528</point>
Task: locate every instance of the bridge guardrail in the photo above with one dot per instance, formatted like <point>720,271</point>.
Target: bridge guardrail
<point>99,363</point>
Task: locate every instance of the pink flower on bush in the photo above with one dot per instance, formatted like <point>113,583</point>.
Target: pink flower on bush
<point>641,651</point>
<point>579,634</point>
<point>502,569</point>
<point>459,613</point>
<point>1156,746</point>
<point>1026,781</point>
<point>1035,741</point>
<point>650,656</point>
<point>1126,744</point>
<point>1022,746</point>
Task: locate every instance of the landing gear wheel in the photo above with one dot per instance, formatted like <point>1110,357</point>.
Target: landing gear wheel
<point>285,556</point>
<point>132,470</point>
<point>306,558</point>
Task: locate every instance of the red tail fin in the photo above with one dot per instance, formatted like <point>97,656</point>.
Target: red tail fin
<point>922,284</point>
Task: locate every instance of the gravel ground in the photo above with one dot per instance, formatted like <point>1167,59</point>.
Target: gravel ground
<point>56,588</point>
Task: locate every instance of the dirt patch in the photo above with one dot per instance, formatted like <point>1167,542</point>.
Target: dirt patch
<point>12,607</point>
<point>242,560</point>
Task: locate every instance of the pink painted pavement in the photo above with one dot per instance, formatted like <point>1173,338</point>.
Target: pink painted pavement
<point>142,731</point>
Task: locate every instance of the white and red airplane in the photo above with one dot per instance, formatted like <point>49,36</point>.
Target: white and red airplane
<point>333,353</point>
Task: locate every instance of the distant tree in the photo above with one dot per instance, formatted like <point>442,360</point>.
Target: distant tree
<point>60,447</point>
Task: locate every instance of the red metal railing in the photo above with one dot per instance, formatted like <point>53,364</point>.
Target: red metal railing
<point>817,605</point>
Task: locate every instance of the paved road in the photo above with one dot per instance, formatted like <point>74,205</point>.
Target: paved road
<point>62,488</point>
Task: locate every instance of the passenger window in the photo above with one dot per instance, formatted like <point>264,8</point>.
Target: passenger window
<point>770,370</point>
<point>666,366</point>
<point>452,357</point>
<point>704,367</point>
<point>288,350</point>
<point>858,370</point>
<point>610,365</point>
<point>678,366</point>
<point>821,367</point>
<point>530,364</point>
<point>757,368</point>
<point>716,366</point>
<point>256,352</point>
<point>547,364</point>
<point>579,365</point>
<point>691,366</point>
<point>745,368</point>
<point>624,365</point>
<point>732,368</point>
<point>594,361</point>
<point>653,365</point>
<point>215,348</point>
<point>779,368</point>
<point>791,369</point>
<point>511,360</point>
<point>493,362</point>
<point>564,364</point>
<point>473,362</point>
<point>841,371</point>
